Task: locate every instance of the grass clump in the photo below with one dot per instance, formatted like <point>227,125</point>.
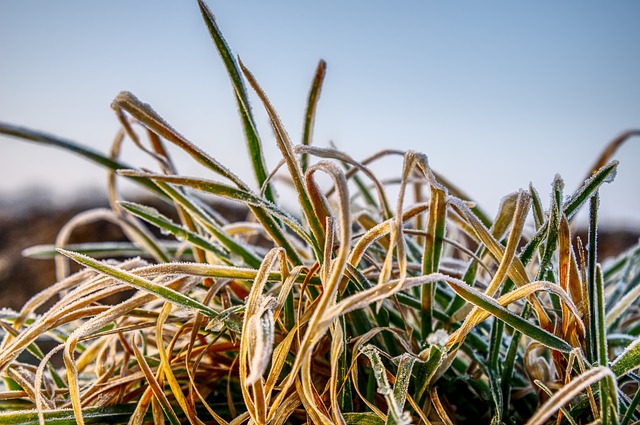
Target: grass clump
<point>355,309</point>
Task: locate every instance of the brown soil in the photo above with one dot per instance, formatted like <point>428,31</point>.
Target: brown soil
<point>38,223</point>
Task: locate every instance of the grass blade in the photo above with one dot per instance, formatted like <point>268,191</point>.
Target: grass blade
<point>152,215</point>
<point>68,145</point>
<point>395,414</point>
<point>92,415</point>
<point>286,149</point>
<point>168,294</point>
<point>260,207</point>
<point>492,307</point>
<point>310,115</point>
<point>248,123</point>
<point>568,392</point>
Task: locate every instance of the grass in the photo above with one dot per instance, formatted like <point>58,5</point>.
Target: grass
<point>353,310</point>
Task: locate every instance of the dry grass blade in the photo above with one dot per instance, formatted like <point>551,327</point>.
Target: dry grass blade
<point>568,392</point>
<point>521,210</point>
<point>256,344</point>
<point>611,149</point>
<point>442,414</point>
<point>155,386</point>
<point>329,153</point>
<point>145,114</point>
<point>142,283</point>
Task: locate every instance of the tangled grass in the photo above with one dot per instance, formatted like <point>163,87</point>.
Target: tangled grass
<point>353,310</point>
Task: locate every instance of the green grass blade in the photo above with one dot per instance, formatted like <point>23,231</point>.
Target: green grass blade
<point>248,123</point>
<point>628,360</point>
<point>152,215</point>
<point>260,207</point>
<point>91,415</point>
<point>553,226</point>
<point>98,250</point>
<point>211,225</point>
<point>609,406</point>
<point>590,186</point>
<point>492,307</point>
<point>403,377</point>
<point>592,289</point>
<point>538,211</point>
<point>168,294</point>
<point>510,359</point>
<point>287,151</point>
<point>495,381</point>
<point>395,414</point>
<point>68,145</point>
<point>427,369</point>
<point>629,415</point>
<point>310,115</point>
<point>605,174</point>
<point>366,418</point>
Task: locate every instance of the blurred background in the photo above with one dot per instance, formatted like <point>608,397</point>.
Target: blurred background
<point>498,94</point>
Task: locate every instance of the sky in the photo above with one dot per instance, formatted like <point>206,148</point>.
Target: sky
<point>498,94</point>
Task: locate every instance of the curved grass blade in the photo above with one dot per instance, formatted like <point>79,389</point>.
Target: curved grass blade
<point>611,149</point>
<point>329,153</point>
<point>150,119</point>
<point>85,152</point>
<point>568,392</point>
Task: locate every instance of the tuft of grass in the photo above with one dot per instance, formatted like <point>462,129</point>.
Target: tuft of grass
<point>352,310</point>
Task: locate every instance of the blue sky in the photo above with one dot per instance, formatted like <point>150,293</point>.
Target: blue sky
<point>497,93</point>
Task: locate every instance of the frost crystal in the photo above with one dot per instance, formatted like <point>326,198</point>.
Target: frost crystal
<point>438,337</point>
